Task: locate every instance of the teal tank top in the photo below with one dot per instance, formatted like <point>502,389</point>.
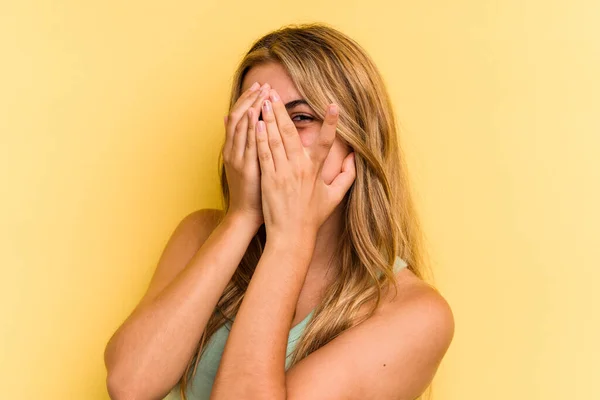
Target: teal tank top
<point>203,380</point>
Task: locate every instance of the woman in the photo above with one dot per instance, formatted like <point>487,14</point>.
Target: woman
<point>286,293</point>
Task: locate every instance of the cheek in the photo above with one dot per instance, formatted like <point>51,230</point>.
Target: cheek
<point>333,163</point>
<point>307,136</point>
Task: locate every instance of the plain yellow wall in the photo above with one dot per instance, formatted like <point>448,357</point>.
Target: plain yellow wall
<point>111,119</point>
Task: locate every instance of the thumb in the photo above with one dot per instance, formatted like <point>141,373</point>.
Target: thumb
<point>344,180</point>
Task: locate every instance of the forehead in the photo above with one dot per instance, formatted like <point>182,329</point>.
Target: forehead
<point>275,75</point>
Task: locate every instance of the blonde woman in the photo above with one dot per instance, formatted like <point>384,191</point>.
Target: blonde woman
<point>309,283</point>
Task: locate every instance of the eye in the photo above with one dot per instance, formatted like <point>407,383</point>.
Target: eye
<point>302,118</point>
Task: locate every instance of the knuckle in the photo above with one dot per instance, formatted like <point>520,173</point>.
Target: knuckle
<point>264,156</point>
<point>234,115</point>
<point>325,143</point>
<point>239,129</point>
<point>226,157</point>
<point>274,143</point>
<point>288,129</point>
<point>261,139</point>
<point>268,117</point>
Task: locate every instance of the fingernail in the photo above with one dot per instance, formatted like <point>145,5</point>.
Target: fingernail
<point>333,110</point>
<point>260,127</point>
<point>254,86</point>
<point>267,106</point>
<point>274,96</point>
<point>264,89</point>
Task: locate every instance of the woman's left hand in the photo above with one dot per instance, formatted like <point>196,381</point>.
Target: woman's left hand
<point>295,199</point>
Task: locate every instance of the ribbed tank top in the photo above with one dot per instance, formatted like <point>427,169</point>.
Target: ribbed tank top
<point>203,380</point>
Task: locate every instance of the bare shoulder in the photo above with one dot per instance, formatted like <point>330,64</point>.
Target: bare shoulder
<point>394,354</point>
<point>199,224</point>
<point>423,306</point>
<point>418,309</point>
<point>185,240</point>
<point>415,293</point>
<point>191,232</point>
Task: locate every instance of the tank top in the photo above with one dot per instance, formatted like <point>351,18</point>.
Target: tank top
<point>202,382</point>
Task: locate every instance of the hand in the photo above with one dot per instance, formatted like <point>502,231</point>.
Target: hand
<point>294,196</point>
<point>240,157</point>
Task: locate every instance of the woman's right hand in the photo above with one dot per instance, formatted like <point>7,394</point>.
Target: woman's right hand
<point>240,156</point>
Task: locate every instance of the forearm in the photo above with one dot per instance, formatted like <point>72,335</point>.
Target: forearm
<point>151,349</point>
<point>254,357</point>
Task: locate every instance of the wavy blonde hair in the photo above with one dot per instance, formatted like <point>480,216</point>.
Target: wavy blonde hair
<point>380,220</point>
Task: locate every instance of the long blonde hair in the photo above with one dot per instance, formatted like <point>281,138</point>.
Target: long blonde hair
<point>380,222</point>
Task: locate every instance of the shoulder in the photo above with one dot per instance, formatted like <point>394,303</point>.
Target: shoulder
<point>192,231</point>
<point>399,347</point>
<point>422,319</point>
<point>200,223</point>
<point>188,236</point>
<point>421,304</point>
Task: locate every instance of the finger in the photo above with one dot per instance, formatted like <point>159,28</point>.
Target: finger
<point>262,95</point>
<point>341,184</point>
<point>320,148</point>
<point>275,142</point>
<point>237,112</point>
<point>250,152</point>
<point>287,129</point>
<point>265,158</point>
<point>242,127</point>
<point>239,139</point>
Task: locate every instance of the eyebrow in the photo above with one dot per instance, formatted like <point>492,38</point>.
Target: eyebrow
<point>295,103</point>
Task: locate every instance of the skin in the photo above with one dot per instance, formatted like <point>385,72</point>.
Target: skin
<point>392,355</point>
<point>308,125</point>
<point>304,173</point>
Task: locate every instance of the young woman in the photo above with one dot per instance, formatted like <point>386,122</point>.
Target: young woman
<point>287,292</point>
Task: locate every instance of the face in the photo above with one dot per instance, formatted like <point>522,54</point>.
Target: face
<point>306,121</point>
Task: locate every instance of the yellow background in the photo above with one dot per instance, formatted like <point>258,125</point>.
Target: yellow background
<point>111,118</point>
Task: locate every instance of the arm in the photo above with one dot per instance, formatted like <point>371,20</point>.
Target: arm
<point>253,362</point>
<point>295,203</point>
<point>149,352</point>
<point>393,355</point>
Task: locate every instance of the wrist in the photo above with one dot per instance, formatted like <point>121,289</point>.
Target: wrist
<point>300,242</point>
<point>243,221</point>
